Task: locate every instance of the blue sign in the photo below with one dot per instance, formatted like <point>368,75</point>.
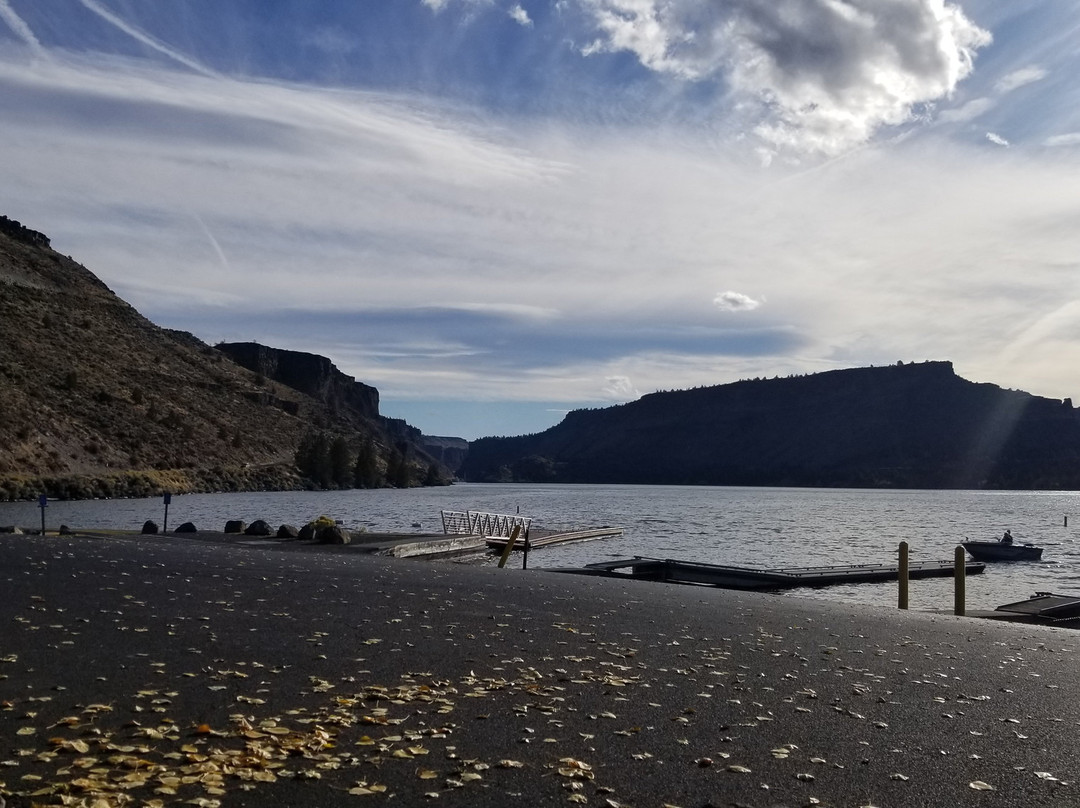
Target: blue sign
<point>168,497</point>
<point>43,501</point>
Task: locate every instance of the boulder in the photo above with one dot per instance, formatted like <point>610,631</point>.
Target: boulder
<point>187,527</point>
<point>333,534</point>
<point>307,532</point>
<point>149,527</point>
<point>259,528</point>
<point>235,526</point>
<point>12,529</point>
<point>65,531</point>
<point>287,532</point>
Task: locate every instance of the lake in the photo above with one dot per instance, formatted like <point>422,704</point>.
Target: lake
<point>760,527</point>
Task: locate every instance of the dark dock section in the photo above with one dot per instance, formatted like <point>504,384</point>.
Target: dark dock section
<point>750,578</point>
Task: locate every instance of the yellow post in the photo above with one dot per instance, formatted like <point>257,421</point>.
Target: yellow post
<point>960,576</point>
<point>509,545</point>
<point>902,596</point>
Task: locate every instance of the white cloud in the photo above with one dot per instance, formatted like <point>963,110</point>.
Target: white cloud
<point>620,388</point>
<point>968,111</point>
<point>997,139</point>
<point>735,301</point>
<point>519,15</point>
<point>1071,139</point>
<point>826,74</point>
<point>1018,78</point>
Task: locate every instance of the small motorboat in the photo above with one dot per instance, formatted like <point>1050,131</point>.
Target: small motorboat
<point>1000,551</point>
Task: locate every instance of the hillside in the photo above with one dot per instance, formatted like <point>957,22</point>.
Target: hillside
<point>904,426</point>
<point>95,400</point>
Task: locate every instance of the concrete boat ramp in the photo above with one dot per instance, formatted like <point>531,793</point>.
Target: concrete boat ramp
<point>750,578</point>
<point>434,545</point>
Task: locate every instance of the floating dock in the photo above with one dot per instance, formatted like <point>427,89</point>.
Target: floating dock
<point>1045,607</point>
<point>548,538</point>
<point>749,578</point>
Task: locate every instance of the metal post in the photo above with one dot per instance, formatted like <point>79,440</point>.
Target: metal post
<point>902,577</point>
<point>165,522</point>
<point>960,577</point>
<point>525,552</point>
<point>43,503</point>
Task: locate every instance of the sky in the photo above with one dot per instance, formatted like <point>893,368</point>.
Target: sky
<point>497,211</point>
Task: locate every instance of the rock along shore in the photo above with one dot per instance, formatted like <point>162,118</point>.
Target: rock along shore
<point>161,670</point>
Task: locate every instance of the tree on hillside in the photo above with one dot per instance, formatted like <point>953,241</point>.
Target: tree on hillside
<point>366,470</point>
<point>398,473</point>
<point>341,463</point>
<point>434,477</point>
<point>313,458</point>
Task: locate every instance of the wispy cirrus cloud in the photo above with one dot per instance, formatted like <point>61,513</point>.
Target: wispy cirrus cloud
<point>1020,78</point>
<point>144,38</point>
<point>19,27</point>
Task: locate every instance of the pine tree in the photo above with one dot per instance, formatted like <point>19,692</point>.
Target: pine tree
<point>397,467</point>
<point>340,463</point>
<point>366,470</point>
<point>313,458</point>
<point>433,476</point>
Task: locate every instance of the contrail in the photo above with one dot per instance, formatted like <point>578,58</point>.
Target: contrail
<point>19,26</point>
<point>143,37</point>
<point>213,241</point>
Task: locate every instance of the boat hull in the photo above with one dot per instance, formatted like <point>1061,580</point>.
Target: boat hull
<point>996,551</point>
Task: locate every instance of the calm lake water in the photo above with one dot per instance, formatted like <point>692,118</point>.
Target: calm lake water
<point>759,527</point>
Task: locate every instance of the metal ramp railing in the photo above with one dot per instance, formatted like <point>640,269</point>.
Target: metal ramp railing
<point>478,523</point>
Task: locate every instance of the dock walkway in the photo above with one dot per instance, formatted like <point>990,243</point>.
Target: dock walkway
<point>546,538</point>
<point>750,578</point>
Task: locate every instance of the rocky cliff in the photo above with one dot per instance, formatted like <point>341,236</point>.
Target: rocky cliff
<point>451,452</point>
<point>911,426</point>
<point>313,375</point>
<point>17,232</point>
<point>96,400</point>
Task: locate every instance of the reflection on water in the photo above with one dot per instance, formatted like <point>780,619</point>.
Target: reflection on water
<point>758,527</point>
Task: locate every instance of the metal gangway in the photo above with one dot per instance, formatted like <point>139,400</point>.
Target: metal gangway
<point>478,523</point>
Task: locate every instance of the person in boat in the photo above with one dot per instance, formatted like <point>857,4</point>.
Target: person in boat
<point>1007,538</point>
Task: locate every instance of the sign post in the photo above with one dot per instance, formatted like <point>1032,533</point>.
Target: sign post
<point>165,522</point>
<point>43,503</point>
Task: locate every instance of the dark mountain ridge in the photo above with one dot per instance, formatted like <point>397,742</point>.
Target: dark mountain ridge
<point>900,426</point>
<point>97,401</point>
